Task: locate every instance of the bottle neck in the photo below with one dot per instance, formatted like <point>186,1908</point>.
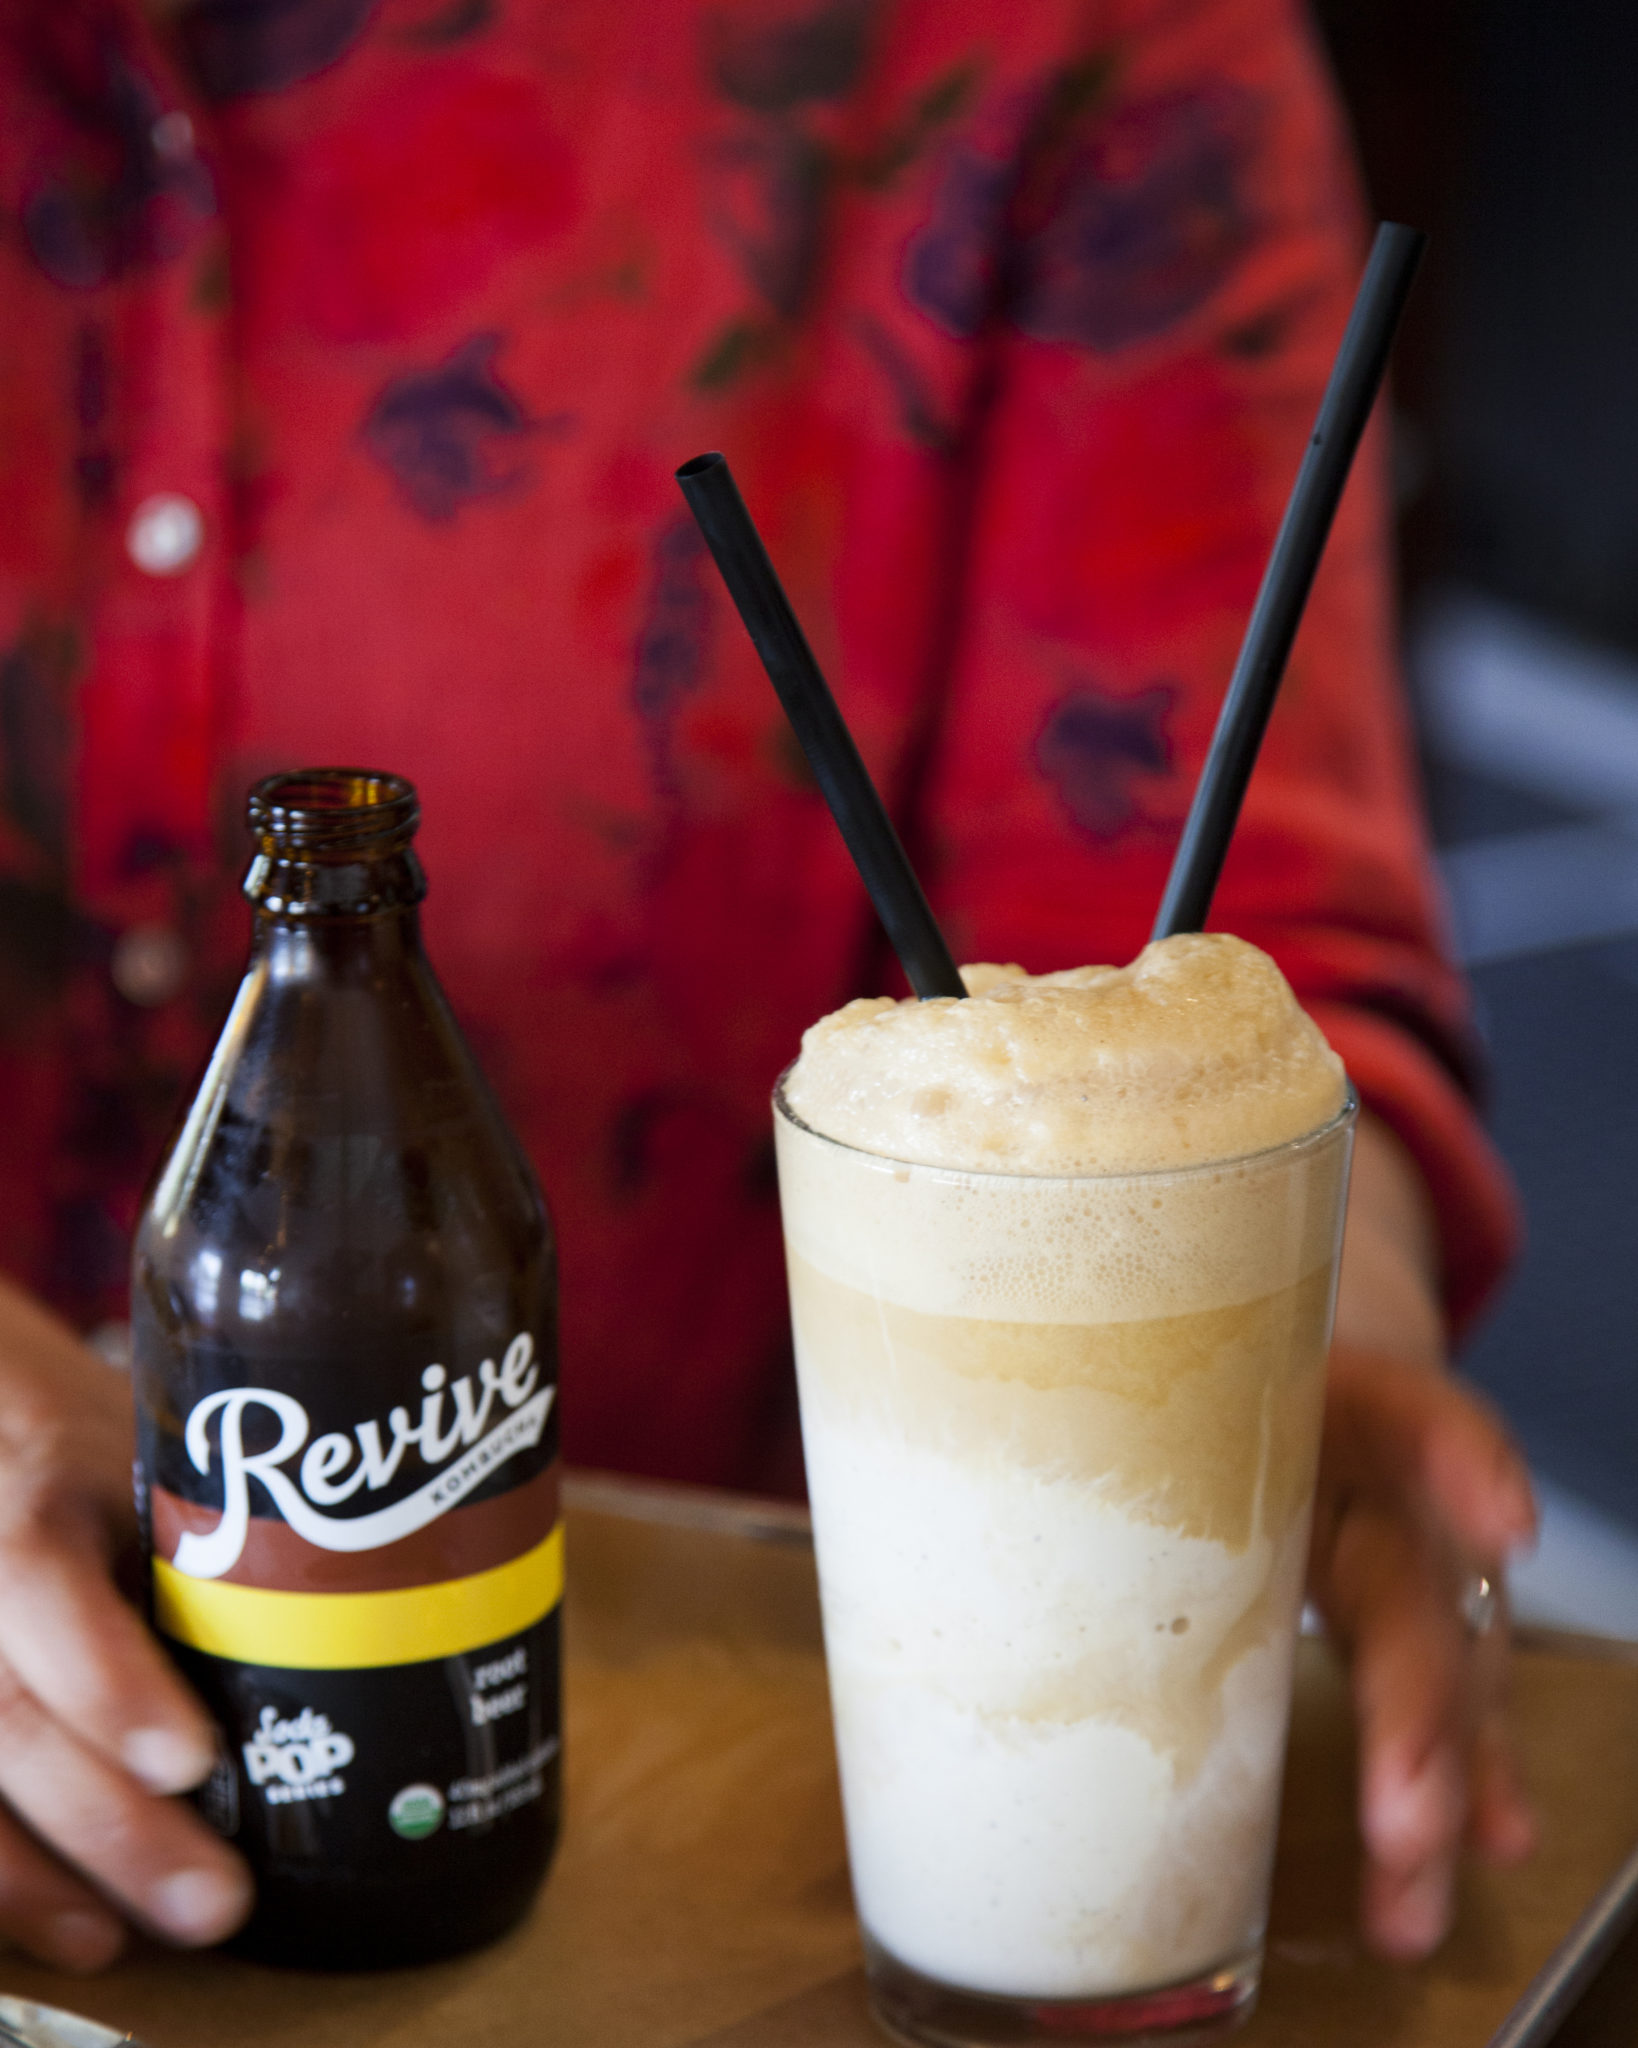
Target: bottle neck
<point>337,950</point>
<point>298,886</point>
<point>335,882</point>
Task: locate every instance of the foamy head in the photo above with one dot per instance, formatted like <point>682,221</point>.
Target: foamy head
<point>1196,1052</point>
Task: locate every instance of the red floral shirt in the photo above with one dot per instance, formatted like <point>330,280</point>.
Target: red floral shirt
<point>348,348</point>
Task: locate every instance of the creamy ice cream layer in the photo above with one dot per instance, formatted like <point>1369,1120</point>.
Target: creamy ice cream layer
<point>1061,1381</point>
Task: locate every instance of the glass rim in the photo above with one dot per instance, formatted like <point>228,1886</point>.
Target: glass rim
<point>1305,1141</point>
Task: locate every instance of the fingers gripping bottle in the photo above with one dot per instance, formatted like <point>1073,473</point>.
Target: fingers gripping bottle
<point>344,1326</point>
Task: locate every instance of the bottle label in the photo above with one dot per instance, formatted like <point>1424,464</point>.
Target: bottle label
<point>331,1471</point>
<point>314,1586</point>
<point>340,1784</point>
<point>357,1560</point>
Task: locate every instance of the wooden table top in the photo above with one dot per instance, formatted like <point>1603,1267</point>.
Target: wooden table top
<point>700,1898</point>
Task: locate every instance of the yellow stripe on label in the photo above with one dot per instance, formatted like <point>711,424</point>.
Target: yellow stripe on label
<point>351,1631</point>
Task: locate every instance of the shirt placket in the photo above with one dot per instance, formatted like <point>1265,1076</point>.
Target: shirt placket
<point>151,696</point>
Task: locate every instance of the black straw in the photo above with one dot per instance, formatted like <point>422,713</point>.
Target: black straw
<point>1355,378</point>
<point>713,498</point>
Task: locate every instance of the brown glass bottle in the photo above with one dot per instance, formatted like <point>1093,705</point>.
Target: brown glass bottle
<point>344,1326</point>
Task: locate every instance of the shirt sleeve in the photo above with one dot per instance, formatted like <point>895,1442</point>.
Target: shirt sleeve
<point>1179,257</point>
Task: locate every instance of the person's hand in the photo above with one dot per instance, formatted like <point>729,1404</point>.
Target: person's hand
<point>1421,1493</point>
<point>96,1728</point>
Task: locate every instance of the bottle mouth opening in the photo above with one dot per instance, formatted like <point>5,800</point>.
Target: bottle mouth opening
<point>333,809</point>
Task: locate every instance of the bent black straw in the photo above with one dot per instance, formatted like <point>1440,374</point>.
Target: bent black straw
<point>1355,378</point>
<point>713,498</point>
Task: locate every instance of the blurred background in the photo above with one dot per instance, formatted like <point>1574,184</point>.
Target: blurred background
<point>1505,128</point>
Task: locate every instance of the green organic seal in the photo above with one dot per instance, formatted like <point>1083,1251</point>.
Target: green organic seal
<point>416,1811</point>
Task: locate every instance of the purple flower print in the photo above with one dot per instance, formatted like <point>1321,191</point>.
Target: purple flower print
<point>437,431</point>
<point>1095,750</point>
<point>1150,216</point>
<point>237,47</point>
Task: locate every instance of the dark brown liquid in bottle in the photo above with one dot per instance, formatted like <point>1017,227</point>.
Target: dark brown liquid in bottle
<point>344,1324</point>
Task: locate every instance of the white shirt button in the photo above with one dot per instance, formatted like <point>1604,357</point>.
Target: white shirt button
<point>150,964</point>
<point>165,533</point>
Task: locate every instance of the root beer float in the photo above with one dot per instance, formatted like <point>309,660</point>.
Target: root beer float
<point>1062,1258</point>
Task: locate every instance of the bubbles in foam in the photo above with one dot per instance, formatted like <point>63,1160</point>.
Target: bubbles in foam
<point>1197,1051</point>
